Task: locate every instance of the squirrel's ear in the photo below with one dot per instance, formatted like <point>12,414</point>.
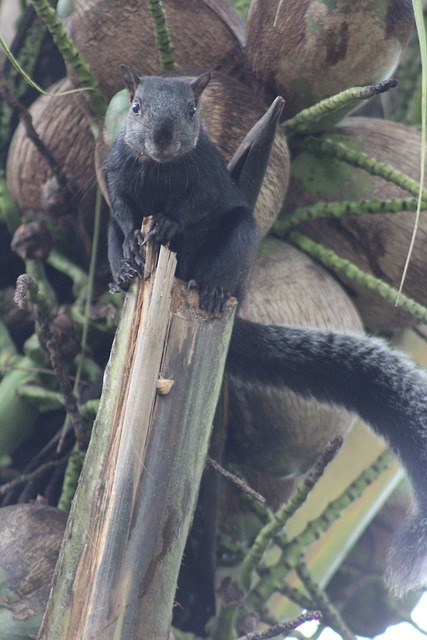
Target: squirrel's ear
<point>200,84</point>
<point>130,78</point>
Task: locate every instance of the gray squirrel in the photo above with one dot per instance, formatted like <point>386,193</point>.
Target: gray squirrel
<point>163,164</point>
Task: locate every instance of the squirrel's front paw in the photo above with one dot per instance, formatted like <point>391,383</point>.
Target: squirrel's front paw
<point>132,250</point>
<point>162,230</point>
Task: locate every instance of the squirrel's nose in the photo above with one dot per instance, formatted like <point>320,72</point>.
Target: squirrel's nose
<point>163,134</point>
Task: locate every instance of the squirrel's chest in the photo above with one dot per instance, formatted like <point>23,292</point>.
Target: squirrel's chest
<point>163,189</point>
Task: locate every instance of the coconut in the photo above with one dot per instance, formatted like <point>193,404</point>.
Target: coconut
<point>276,430</point>
<point>205,34</point>
<point>274,435</point>
<point>376,243</point>
<point>62,126</point>
<point>228,110</point>
<point>30,539</point>
<point>308,50</point>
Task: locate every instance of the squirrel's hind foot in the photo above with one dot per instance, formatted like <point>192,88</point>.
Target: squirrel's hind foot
<point>212,299</point>
<point>129,270</point>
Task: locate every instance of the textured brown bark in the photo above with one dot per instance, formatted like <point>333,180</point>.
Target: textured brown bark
<point>118,567</point>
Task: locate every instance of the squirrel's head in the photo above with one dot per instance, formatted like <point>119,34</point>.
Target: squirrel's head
<point>162,122</point>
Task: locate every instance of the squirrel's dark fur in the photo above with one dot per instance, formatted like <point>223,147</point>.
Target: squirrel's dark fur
<point>186,189</point>
<point>163,164</point>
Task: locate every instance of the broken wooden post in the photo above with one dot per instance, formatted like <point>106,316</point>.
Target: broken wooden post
<point>118,566</point>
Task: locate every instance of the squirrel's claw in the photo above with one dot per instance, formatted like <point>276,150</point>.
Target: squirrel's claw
<point>131,251</point>
<point>148,237</point>
<point>162,230</point>
<point>114,287</point>
<point>213,299</point>
<point>139,238</point>
<point>129,270</point>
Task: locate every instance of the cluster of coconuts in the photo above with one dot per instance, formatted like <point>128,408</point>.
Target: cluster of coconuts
<point>308,50</point>
<point>304,50</point>
<point>377,243</point>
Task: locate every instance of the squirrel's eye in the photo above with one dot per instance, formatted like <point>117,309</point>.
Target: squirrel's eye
<point>192,110</point>
<point>136,106</point>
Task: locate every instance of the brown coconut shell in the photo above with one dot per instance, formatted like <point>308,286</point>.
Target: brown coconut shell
<point>30,539</point>
<point>205,34</point>
<point>308,50</point>
<point>276,429</point>
<point>228,110</point>
<point>63,128</point>
<point>377,243</point>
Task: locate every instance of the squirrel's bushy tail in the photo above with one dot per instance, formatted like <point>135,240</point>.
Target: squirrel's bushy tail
<point>363,375</point>
<point>407,561</point>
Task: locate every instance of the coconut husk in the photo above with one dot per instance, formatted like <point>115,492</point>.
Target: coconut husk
<point>228,110</point>
<point>274,435</point>
<point>62,126</point>
<point>205,34</point>
<point>308,50</point>
<point>275,429</point>
<point>377,243</point>
<point>30,539</point>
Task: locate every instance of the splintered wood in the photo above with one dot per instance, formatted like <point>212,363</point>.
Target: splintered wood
<point>117,571</point>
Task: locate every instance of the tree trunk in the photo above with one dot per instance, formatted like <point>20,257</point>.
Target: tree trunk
<point>118,567</point>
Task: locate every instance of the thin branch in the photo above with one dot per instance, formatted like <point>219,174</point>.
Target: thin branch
<point>271,579</point>
<point>273,528</point>
<point>339,265</point>
<point>26,287</point>
<point>335,508</point>
<point>238,482</point>
<point>419,22</point>
<point>308,118</point>
<point>321,599</point>
<point>33,475</point>
<point>88,302</point>
<point>285,627</point>
<point>340,209</point>
<point>162,36</point>
<point>328,147</point>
